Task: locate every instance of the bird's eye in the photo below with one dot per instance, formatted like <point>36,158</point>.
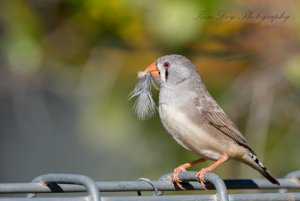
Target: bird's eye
<point>166,65</point>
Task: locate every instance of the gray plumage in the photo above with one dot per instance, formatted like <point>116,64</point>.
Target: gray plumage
<point>195,120</point>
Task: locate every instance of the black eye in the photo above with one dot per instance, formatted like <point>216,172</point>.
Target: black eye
<point>166,65</point>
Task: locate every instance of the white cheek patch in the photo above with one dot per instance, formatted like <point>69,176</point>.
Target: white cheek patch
<point>163,75</point>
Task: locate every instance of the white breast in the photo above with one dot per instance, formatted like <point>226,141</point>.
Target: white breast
<point>189,135</point>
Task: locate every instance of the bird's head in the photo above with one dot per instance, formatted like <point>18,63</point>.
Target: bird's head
<point>171,69</point>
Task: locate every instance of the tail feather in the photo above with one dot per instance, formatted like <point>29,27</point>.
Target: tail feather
<point>262,169</point>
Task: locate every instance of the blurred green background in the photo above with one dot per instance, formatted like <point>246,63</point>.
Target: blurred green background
<point>67,67</point>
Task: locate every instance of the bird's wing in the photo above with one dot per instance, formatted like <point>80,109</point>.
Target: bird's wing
<point>216,117</point>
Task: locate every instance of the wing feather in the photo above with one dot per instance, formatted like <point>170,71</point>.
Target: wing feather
<point>213,114</point>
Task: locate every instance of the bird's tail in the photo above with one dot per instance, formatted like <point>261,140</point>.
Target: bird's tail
<point>258,165</point>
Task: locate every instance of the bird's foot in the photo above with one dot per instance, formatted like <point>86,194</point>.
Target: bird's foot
<point>200,176</point>
<point>183,168</point>
<point>175,176</point>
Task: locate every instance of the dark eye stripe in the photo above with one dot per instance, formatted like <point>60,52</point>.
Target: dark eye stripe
<point>167,74</point>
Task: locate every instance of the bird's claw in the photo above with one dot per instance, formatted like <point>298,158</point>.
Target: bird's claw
<point>178,184</point>
<point>175,176</point>
<point>200,177</point>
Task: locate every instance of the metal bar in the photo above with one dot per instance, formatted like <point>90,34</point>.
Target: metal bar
<point>164,184</point>
<point>60,183</point>
<point>49,179</point>
<point>295,175</point>
<point>47,199</point>
<point>232,197</point>
<point>219,185</point>
<point>123,186</point>
<point>215,180</point>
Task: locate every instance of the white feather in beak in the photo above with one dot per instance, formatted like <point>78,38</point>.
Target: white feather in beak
<point>144,106</point>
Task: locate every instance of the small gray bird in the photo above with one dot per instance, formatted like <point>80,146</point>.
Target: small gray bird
<point>196,121</point>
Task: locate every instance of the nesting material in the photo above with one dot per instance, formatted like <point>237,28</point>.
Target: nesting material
<point>144,106</point>
<point>142,74</point>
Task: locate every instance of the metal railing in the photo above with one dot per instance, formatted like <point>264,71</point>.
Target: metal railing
<point>67,187</point>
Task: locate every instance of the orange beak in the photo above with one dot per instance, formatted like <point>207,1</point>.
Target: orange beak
<point>153,69</point>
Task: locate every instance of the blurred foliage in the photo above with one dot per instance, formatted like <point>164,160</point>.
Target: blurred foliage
<point>67,68</point>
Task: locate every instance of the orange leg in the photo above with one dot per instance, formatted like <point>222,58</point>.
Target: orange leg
<point>201,173</point>
<point>183,168</point>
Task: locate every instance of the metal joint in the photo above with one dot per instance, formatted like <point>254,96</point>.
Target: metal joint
<point>52,180</point>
